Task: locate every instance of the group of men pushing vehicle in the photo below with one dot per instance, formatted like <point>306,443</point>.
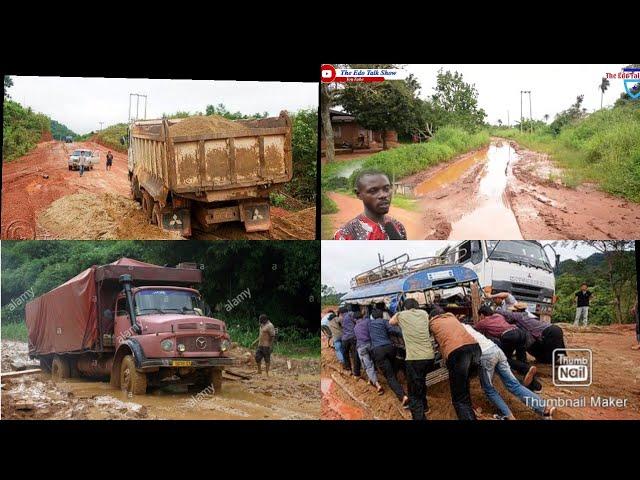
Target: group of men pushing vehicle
<point>497,343</point>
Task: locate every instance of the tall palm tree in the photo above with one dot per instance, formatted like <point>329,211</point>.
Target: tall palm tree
<point>499,122</point>
<point>546,117</point>
<point>604,85</point>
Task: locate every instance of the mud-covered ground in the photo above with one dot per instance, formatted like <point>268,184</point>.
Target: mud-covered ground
<point>42,199</point>
<point>506,192</point>
<point>616,373</point>
<point>290,392</point>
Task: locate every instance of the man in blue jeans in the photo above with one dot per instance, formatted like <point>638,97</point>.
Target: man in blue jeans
<point>494,359</point>
<point>363,346</point>
<point>349,342</point>
<point>335,325</point>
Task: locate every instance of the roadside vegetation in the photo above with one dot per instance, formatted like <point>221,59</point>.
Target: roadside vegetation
<point>602,148</point>
<point>277,274</point>
<point>22,129</point>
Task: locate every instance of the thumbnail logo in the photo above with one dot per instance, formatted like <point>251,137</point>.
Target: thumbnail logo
<point>631,78</point>
<point>327,73</point>
<point>572,367</point>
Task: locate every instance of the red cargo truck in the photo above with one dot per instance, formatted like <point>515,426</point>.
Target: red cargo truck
<point>141,324</point>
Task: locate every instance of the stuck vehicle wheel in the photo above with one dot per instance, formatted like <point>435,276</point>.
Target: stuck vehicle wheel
<point>60,368</point>
<point>70,168</point>
<point>147,206</point>
<point>216,380</point>
<point>156,217</point>
<point>45,364</point>
<point>132,381</point>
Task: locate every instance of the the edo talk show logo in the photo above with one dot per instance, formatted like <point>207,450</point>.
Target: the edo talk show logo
<point>631,78</point>
<point>331,74</point>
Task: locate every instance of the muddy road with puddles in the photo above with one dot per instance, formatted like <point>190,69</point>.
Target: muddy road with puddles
<point>291,392</point>
<point>43,199</point>
<point>501,191</point>
<point>616,374</point>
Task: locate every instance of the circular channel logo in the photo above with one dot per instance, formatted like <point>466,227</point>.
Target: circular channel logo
<point>327,73</point>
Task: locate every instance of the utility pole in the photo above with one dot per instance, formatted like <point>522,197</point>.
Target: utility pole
<point>521,92</point>
<point>138,96</point>
<point>101,123</point>
<point>508,121</point>
<point>530,114</point>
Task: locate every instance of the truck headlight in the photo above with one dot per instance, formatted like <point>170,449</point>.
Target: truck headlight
<point>224,346</point>
<point>181,347</point>
<point>546,300</point>
<point>166,345</point>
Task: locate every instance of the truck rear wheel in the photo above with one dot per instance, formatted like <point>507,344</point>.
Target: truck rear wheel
<point>132,381</point>
<point>60,368</point>
<point>147,205</point>
<point>45,364</point>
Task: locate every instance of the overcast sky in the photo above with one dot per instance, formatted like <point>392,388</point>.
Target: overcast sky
<point>553,87</point>
<point>80,103</point>
<point>341,261</point>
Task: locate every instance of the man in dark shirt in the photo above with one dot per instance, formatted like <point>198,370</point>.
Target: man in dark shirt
<point>349,349</point>
<point>582,310</point>
<point>384,352</point>
<point>374,189</point>
<point>511,340</point>
<point>546,337</point>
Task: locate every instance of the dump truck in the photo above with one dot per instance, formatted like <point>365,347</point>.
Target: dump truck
<point>140,324</point>
<point>208,168</point>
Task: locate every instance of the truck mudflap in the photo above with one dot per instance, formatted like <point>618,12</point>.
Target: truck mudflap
<point>178,220</point>
<point>154,363</point>
<point>256,216</point>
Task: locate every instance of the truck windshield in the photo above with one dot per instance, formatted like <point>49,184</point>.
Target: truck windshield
<point>168,301</point>
<point>76,153</point>
<point>527,253</point>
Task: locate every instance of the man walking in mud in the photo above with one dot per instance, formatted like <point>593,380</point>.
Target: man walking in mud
<point>82,162</point>
<point>265,342</point>
<point>582,298</point>
<point>375,191</point>
<point>109,160</point>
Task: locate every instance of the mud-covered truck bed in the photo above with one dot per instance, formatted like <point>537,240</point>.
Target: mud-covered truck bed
<point>210,168</point>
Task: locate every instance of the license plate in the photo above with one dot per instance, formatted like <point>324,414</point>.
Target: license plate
<point>181,363</point>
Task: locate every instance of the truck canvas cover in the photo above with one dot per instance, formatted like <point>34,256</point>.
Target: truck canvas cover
<point>66,318</point>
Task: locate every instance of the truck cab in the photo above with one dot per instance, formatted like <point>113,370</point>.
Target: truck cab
<point>164,335</point>
<point>520,267</point>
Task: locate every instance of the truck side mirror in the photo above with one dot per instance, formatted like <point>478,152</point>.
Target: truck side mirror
<point>107,315</point>
<point>557,265</point>
<point>122,140</point>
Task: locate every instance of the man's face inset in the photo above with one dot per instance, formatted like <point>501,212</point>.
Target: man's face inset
<point>375,193</point>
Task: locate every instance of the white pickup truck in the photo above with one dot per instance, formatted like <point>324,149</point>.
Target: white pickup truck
<point>90,157</point>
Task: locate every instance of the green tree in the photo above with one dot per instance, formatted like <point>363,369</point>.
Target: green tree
<point>8,83</point>
<point>574,113</point>
<point>455,102</point>
<point>385,106</point>
<point>604,85</point>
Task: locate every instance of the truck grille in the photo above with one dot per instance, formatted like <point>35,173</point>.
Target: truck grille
<point>195,344</point>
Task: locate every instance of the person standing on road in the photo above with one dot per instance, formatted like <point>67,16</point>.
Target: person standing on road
<point>349,349</point>
<point>335,324</point>
<point>461,354</point>
<point>384,352</point>
<point>265,342</point>
<point>494,360</point>
<point>324,326</point>
<point>82,162</point>
<point>363,346</point>
<point>109,160</point>
<point>582,298</point>
<point>374,190</point>
<point>419,360</point>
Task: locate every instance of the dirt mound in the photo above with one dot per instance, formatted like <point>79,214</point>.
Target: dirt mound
<point>98,217</point>
<point>206,124</point>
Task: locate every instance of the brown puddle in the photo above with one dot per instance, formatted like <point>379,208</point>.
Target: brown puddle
<point>449,174</point>
<point>346,412</point>
<point>492,217</point>
<point>235,402</point>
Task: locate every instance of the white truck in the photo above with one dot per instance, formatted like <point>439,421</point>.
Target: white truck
<point>90,157</point>
<point>517,266</point>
